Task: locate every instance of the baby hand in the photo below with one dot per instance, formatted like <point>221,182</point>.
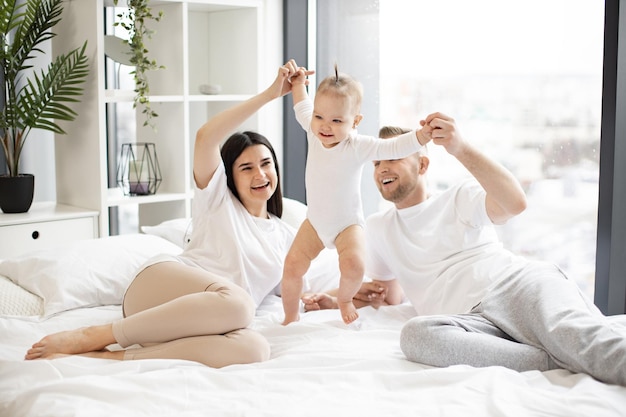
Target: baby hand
<point>425,134</point>
<point>300,76</point>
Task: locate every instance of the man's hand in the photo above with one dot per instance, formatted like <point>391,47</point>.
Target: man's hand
<point>443,132</point>
<point>505,197</point>
<point>319,301</point>
<point>372,293</point>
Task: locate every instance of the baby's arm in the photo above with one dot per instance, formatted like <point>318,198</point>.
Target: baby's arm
<point>298,85</point>
<point>424,135</point>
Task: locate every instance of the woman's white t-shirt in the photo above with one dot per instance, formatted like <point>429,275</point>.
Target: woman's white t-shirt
<point>229,242</point>
<point>444,252</point>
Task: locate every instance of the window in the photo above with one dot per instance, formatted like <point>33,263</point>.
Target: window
<point>524,86</point>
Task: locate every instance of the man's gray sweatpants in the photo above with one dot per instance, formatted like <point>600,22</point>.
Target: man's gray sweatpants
<point>536,319</point>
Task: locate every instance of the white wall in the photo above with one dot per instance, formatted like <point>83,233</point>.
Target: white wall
<point>38,152</point>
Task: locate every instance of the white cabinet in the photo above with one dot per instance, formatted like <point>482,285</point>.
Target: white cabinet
<point>218,43</point>
<point>44,226</point>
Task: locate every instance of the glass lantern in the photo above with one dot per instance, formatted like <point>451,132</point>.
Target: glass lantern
<point>138,172</point>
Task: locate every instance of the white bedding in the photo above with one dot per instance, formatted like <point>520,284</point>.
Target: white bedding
<point>318,367</point>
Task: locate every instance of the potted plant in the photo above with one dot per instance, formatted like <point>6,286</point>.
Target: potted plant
<point>32,99</point>
<point>134,21</point>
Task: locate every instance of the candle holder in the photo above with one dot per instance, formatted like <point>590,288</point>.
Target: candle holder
<point>138,172</point>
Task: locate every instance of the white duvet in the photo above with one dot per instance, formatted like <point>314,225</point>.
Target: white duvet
<point>318,367</point>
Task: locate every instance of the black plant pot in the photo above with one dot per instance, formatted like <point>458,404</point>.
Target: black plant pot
<point>16,193</point>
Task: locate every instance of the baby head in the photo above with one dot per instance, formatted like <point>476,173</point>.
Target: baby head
<point>337,108</point>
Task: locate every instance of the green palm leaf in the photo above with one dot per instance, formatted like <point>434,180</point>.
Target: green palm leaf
<point>9,15</point>
<point>38,19</point>
<point>39,101</point>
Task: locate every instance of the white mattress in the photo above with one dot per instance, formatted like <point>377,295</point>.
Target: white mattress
<point>318,367</point>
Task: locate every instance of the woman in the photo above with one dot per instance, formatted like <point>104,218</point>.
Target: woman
<point>196,306</point>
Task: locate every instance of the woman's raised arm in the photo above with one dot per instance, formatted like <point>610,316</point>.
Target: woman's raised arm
<point>214,131</point>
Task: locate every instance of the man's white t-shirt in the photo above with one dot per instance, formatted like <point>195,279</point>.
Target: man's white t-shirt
<point>444,252</point>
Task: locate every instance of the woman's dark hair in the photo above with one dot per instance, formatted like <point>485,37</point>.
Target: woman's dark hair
<point>233,147</point>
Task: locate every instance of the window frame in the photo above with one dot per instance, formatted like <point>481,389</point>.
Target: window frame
<point>610,282</point>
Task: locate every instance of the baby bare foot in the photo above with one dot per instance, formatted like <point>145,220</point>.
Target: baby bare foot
<point>348,312</point>
<point>77,341</point>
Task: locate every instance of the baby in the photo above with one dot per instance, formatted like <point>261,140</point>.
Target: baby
<point>335,159</point>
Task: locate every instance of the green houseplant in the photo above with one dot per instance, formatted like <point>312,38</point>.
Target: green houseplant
<point>134,20</point>
<point>32,98</point>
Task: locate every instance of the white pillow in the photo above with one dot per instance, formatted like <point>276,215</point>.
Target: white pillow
<point>84,273</point>
<point>16,301</point>
<point>294,212</point>
<point>177,231</point>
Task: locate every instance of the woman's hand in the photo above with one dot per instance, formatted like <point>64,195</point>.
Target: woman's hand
<point>295,75</point>
<point>297,80</point>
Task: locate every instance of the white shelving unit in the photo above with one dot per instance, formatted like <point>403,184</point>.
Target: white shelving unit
<point>199,42</point>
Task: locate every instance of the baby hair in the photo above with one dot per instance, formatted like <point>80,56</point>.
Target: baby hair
<point>342,85</point>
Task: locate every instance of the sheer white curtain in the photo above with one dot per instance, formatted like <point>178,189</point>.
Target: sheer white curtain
<point>348,34</point>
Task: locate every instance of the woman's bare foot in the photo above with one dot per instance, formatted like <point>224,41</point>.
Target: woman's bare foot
<point>83,340</point>
<point>102,354</point>
<point>319,301</point>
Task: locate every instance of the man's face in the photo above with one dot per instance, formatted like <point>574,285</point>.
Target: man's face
<point>397,179</point>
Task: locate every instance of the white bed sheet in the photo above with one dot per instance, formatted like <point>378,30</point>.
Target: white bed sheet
<point>318,367</point>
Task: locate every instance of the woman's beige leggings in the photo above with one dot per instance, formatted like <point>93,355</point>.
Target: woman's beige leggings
<point>175,311</point>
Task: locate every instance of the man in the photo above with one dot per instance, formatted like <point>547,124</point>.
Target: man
<point>477,303</point>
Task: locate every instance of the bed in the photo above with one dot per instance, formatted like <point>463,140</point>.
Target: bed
<point>318,366</point>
